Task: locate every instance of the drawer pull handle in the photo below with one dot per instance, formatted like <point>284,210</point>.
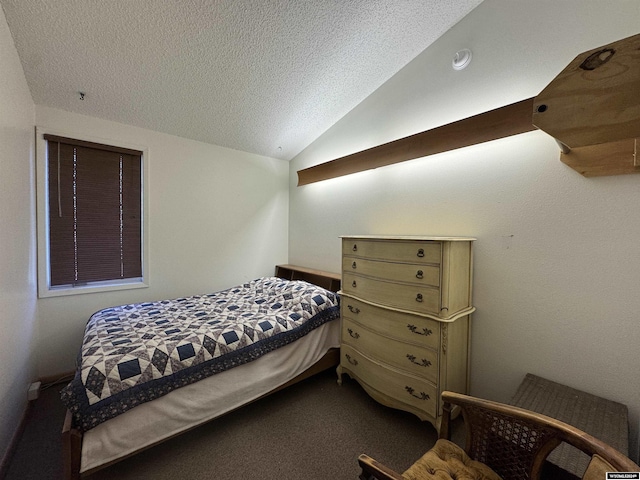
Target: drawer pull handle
<point>419,298</point>
<point>354,285</point>
<point>423,363</point>
<point>421,396</point>
<point>350,360</point>
<point>420,274</point>
<point>355,335</point>
<point>421,253</point>
<point>425,331</point>
<point>353,265</point>
<point>355,247</point>
<point>352,309</point>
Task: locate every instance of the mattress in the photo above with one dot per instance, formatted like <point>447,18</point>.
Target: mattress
<point>133,354</point>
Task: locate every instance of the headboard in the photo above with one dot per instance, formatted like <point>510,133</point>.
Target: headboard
<point>328,280</point>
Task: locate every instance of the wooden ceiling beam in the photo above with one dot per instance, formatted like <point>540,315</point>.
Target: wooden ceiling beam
<point>502,122</point>
<point>592,109</point>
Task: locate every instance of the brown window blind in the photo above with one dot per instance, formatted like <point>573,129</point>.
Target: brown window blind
<point>95,225</point>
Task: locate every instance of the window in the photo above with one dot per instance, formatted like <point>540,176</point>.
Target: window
<point>94,216</point>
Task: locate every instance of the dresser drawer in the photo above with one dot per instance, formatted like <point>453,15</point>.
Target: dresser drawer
<point>409,357</point>
<point>421,299</point>
<point>401,272</point>
<point>405,388</point>
<point>395,251</point>
<point>401,326</point>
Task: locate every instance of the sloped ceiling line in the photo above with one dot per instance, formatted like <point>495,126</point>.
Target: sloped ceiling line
<point>252,76</point>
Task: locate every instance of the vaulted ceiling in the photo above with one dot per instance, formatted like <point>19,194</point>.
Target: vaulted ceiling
<point>261,76</point>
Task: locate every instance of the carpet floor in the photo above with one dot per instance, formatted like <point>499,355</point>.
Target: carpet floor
<point>313,430</point>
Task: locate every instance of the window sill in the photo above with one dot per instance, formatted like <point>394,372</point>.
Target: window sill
<point>47,292</point>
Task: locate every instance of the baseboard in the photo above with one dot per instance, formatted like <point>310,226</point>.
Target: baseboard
<point>15,439</point>
<point>13,444</point>
<point>55,379</point>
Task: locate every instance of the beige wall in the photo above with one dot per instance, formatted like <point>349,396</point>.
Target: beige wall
<point>556,261</point>
<point>217,217</point>
<point>17,226</point>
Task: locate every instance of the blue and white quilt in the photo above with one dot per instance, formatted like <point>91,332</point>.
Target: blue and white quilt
<point>135,353</point>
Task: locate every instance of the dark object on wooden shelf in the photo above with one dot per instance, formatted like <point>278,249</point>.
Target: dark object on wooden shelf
<point>503,442</point>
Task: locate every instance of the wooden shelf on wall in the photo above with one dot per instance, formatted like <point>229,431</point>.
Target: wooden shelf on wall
<point>592,109</point>
<point>605,159</point>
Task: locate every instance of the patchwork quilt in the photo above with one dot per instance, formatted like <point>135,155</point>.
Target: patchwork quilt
<point>135,353</point>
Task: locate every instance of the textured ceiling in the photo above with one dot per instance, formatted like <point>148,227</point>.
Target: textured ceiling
<point>262,76</point>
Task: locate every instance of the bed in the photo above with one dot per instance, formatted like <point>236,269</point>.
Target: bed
<point>149,371</point>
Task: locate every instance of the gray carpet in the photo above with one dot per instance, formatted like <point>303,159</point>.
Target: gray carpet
<point>313,430</point>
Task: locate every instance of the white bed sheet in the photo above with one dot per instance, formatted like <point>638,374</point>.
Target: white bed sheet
<point>194,404</point>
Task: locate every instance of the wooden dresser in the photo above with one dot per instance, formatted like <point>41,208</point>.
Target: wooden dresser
<point>406,305</point>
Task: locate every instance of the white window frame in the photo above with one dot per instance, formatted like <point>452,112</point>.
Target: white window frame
<point>42,206</point>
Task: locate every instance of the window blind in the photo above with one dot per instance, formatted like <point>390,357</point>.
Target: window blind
<point>95,226</point>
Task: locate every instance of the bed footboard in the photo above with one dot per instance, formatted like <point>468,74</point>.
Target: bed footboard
<point>72,437</point>
<point>71,449</point>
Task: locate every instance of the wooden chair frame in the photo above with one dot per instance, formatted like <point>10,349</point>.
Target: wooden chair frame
<point>514,442</point>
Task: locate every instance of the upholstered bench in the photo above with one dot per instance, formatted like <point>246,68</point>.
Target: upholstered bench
<point>604,419</point>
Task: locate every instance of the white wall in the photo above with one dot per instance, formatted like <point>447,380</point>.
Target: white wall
<point>557,260</point>
<point>17,226</point>
<point>217,217</point>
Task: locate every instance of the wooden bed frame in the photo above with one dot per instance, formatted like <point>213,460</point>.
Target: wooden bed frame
<point>72,437</point>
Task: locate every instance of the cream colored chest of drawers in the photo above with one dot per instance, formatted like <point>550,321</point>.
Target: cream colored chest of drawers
<point>406,309</point>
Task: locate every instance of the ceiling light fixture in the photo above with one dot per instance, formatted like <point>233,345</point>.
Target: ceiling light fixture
<point>461,59</point>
